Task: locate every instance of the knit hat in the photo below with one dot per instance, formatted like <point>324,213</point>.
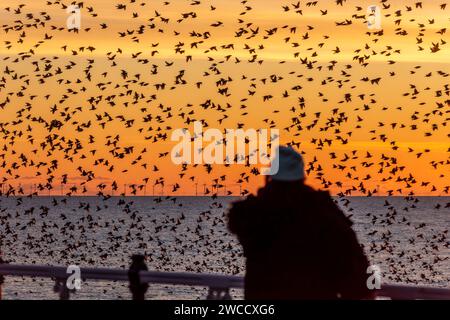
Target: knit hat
<point>290,165</point>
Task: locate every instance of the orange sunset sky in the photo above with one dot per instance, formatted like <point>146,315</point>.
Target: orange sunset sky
<point>369,109</point>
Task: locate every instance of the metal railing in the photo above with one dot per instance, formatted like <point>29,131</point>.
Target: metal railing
<point>219,285</point>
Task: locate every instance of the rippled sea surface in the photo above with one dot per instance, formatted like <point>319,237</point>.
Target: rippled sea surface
<point>406,238</point>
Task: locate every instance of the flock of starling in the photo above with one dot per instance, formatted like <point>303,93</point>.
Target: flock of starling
<point>86,110</point>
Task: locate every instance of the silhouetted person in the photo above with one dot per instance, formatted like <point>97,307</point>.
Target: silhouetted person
<point>298,244</point>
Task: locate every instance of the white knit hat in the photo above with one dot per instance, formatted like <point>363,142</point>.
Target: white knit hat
<point>290,165</point>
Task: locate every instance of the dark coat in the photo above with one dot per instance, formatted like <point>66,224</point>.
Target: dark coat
<point>298,244</point>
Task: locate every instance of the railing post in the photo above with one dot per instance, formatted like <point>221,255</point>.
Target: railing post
<point>61,288</point>
<point>137,288</point>
<point>219,294</point>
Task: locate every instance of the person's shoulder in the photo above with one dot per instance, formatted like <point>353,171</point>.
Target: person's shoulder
<point>324,195</point>
<point>329,205</point>
<point>318,194</point>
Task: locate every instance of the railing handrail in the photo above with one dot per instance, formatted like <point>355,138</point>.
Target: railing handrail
<point>216,281</point>
<point>174,278</point>
<point>412,292</point>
